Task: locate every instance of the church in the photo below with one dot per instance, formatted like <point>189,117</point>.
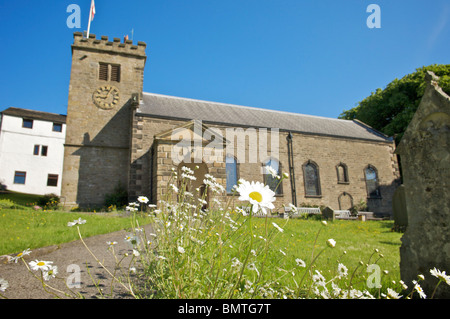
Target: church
<point>116,134</point>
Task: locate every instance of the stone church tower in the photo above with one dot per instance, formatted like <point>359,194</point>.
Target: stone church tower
<point>106,78</point>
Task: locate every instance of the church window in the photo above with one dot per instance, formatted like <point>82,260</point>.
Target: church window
<point>115,72</point>
<point>311,179</point>
<point>232,173</point>
<point>272,181</point>
<point>342,173</point>
<point>371,176</point>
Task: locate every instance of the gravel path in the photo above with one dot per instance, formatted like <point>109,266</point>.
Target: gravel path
<point>70,256</point>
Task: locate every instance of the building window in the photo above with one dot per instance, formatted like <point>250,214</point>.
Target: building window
<point>27,123</point>
<point>311,179</point>
<point>19,177</point>
<point>44,150</point>
<point>52,180</point>
<point>232,173</point>
<point>36,150</point>
<point>109,72</point>
<point>272,181</point>
<point>57,127</point>
<point>342,173</point>
<point>371,176</point>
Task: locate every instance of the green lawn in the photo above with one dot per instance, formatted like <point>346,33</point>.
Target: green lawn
<point>26,228</point>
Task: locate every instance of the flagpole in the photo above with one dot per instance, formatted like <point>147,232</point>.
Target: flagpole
<point>90,17</point>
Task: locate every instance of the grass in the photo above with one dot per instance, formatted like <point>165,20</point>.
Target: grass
<point>26,228</point>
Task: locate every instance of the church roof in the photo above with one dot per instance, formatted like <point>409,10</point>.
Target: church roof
<point>170,107</point>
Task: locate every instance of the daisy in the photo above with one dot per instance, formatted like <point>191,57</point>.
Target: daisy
<point>419,290</point>
<point>271,171</point>
<point>258,194</point>
<point>78,221</point>
<point>391,294</point>
<point>343,271</point>
<point>41,265</point>
<point>278,227</point>
<point>3,284</point>
<point>440,275</point>
<point>300,263</point>
<point>331,242</point>
<point>51,273</point>
<point>20,255</point>
<point>181,250</point>
<point>142,199</point>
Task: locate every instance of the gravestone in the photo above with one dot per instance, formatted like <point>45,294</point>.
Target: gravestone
<point>399,208</point>
<point>328,213</point>
<point>425,156</point>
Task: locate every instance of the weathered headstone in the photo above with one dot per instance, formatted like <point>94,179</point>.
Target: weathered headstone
<point>328,213</point>
<point>425,156</point>
<point>399,208</point>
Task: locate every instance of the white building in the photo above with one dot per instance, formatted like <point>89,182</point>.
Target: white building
<point>31,151</point>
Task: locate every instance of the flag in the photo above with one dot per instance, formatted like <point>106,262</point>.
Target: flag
<point>92,12</point>
<point>91,16</point>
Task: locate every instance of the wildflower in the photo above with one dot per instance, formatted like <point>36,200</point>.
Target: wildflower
<point>319,279</point>
<point>51,273</point>
<point>331,242</point>
<point>324,222</point>
<point>174,188</point>
<point>136,253</point>
<point>282,252</point>
<point>300,262</point>
<point>3,285</point>
<point>20,255</point>
<point>421,277</point>
<point>404,286</point>
<point>152,205</point>
<point>78,221</point>
<point>132,240</point>
<point>419,290</point>
<point>440,275</point>
<point>111,243</point>
<point>285,175</point>
<point>235,263</point>
<point>391,294</point>
<point>343,271</point>
<point>131,208</point>
<point>253,267</point>
<point>181,250</point>
<point>278,227</point>
<point>142,199</point>
<point>132,270</point>
<point>258,194</point>
<point>40,265</point>
<point>271,171</point>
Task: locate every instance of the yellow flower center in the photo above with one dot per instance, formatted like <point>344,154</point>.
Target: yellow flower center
<point>41,263</point>
<point>256,196</point>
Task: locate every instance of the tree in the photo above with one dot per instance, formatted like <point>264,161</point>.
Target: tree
<point>390,110</point>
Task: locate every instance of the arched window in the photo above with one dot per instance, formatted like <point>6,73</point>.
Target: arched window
<point>371,176</point>
<point>232,172</point>
<point>269,179</point>
<point>342,173</point>
<point>311,179</point>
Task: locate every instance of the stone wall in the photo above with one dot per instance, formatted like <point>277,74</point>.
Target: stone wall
<point>326,152</point>
<point>425,155</point>
<point>96,156</point>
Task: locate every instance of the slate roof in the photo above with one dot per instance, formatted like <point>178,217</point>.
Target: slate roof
<point>35,115</point>
<point>170,107</point>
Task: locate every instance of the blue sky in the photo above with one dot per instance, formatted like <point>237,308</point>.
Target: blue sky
<point>305,56</point>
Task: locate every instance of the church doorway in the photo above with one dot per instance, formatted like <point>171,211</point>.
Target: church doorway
<point>196,187</point>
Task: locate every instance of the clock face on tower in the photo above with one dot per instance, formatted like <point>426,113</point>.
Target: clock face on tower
<point>106,97</point>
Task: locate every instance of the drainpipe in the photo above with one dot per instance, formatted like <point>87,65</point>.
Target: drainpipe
<point>291,168</point>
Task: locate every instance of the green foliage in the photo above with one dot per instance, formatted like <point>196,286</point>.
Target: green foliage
<point>6,203</point>
<point>118,198</point>
<point>390,110</point>
<point>48,201</point>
